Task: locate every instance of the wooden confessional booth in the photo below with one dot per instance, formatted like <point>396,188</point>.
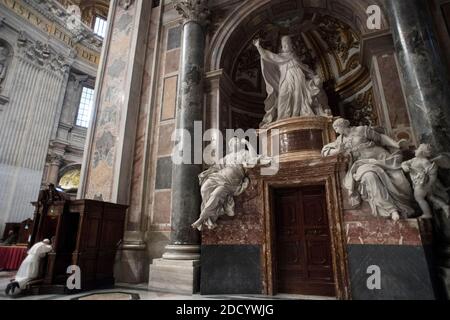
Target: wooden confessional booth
<point>85,233</point>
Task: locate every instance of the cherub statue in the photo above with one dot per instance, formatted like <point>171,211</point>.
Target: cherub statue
<point>424,175</point>
<point>224,181</point>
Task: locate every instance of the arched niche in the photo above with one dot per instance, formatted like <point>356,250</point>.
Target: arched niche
<point>329,38</point>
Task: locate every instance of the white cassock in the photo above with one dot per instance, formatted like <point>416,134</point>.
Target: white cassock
<point>29,269</point>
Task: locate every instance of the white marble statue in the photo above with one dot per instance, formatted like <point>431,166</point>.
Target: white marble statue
<point>424,175</point>
<point>291,85</point>
<point>375,173</point>
<point>223,181</point>
<point>29,269</point>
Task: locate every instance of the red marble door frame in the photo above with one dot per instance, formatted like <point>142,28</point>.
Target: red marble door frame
<point>326,172</point>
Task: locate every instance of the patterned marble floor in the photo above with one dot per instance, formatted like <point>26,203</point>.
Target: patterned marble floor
<point>143,292</point>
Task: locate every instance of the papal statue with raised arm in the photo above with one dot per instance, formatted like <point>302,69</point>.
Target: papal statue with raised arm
<point>292,86</point>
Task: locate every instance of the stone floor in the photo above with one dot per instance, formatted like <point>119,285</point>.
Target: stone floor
<point>141,290</point>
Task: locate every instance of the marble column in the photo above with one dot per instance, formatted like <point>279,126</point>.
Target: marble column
<point>427,84</point>
<point>178,270</point>
<point>423,71</point>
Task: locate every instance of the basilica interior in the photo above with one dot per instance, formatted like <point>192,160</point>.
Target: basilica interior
<point>93,93</point>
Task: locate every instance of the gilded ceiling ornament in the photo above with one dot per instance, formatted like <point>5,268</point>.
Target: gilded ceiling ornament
<point>70,180</point>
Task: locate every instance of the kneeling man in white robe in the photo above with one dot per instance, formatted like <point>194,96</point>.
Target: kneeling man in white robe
<point>29,269</point>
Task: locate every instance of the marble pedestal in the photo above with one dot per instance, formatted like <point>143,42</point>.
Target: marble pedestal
<point>297,139</point>
<point>174,276</point>
<point>402,250</point>
<point>178,271</point>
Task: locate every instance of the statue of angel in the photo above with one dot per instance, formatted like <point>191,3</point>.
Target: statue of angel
<point>224,181</point>
<point>424,175</point>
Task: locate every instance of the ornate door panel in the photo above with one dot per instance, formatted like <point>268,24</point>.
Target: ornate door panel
<point>303,244</point>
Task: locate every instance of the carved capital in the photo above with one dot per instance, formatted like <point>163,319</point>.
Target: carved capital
<point>193,10</point>
<point>42,55</point>
<point>55,159</point>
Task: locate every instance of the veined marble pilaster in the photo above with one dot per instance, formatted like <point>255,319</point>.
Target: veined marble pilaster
<point>108,160</point>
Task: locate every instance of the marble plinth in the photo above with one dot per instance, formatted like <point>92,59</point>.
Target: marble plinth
<point>402,250</point>
<point>405,272</point>
<point>178,276</point>
<point>299,138</point>
<point>362,228</point>
<point>231,269</point>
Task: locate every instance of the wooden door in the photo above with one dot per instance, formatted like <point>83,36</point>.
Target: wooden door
<point>302,242</point>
